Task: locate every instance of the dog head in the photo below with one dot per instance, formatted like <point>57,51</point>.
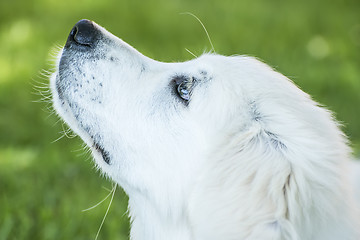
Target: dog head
<point>143,118</point>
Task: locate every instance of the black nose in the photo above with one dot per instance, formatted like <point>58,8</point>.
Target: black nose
<point>84,33</point>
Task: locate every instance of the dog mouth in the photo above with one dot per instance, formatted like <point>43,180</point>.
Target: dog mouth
<point>105,154</point>
<point>96,143</point>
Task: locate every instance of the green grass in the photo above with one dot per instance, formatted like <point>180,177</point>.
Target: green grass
<point>45,185</point>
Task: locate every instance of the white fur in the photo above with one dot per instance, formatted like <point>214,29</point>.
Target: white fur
<point>250,157</point>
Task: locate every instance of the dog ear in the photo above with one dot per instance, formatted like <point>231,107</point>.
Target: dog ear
<point>247,186</point>
<point>299,176</point>
<point>266,168</point>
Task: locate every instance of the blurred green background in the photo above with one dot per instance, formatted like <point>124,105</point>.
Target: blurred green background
<point>44,185</point>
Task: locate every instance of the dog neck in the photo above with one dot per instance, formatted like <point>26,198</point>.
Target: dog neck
<point>153,222</point>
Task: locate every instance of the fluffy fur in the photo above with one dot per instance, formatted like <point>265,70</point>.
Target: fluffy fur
<point>247,156</point>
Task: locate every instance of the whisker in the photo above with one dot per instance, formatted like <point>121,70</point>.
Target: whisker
<point>94,206</point>
<point>61,137</point>
<point>207,34</point>
<point>106,213</point>
<point>190,52</point>
<point>107,189</point>
<point>67,131</point>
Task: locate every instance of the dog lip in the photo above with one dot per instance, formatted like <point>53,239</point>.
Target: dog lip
<point>105,154</point>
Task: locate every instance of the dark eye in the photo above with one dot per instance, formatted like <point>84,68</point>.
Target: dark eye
<point>184,90</point>
<point>184,86</point>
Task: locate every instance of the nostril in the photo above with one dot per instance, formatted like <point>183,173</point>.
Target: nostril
<point>84,33</point>
<point>73,31</point>
<point>73,34</point>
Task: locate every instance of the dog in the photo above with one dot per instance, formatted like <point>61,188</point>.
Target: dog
<point>219,147</point>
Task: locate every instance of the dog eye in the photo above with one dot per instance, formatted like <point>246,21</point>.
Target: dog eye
<point>184,90</point>
<point>184,86</point>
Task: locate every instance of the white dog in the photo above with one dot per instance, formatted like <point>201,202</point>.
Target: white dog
<point>216,148</point>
